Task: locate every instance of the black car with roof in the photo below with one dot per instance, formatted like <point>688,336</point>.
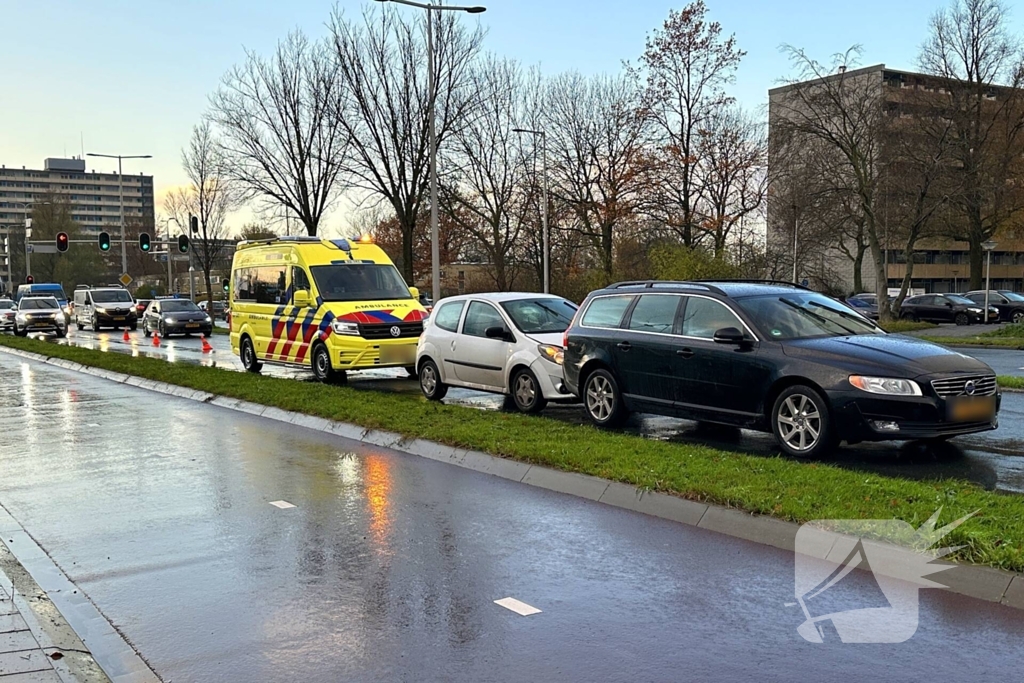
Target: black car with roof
<point>1010,304</point>
<point>944,308</point>
<point>166,316</point>
<point>773,357</point>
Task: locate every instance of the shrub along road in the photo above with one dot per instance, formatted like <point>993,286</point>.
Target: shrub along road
<point>774,486</point>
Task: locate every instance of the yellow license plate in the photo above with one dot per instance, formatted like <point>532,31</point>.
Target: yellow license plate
<point>967,409</point>
<point>191,324</point>
<point>404,354</point>
<point>118,318</point>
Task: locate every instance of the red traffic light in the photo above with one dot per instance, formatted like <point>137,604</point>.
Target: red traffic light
<point>29,280</point>
<point>62,241</point>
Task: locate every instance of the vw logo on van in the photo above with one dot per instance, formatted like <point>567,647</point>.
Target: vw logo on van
<point>396,331</point>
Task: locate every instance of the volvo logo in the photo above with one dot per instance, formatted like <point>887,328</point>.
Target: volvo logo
<point>396,331</point>
<point>970,387</point>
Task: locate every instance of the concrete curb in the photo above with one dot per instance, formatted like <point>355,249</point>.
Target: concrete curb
<point>976,581</point>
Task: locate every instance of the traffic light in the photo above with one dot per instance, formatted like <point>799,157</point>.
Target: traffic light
<point>226,285</point>
<point>183,244</point>
<point>62,241</point>
<point>144,241</point>
<point>104,241</point>
<point>193,221</point>
<point>29,280</point>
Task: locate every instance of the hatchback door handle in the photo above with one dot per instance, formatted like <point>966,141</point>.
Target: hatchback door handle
<point>685,353</point>
<point>625,346</point>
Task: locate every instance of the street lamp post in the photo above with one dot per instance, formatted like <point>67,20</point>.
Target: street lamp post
<point>435,247</point>
<point>545,236</point>
<point>794,244</point>
<point>120,193</point>
<point>28,234</point>
<point>170,274</point>
<point>988,247</point>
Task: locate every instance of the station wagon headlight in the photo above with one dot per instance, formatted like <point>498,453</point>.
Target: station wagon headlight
<point>555,354</point>
<point>886,385</point>
<point>345,327</point>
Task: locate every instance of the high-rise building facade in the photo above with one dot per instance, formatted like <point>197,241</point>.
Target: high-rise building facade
<point>94,197</point>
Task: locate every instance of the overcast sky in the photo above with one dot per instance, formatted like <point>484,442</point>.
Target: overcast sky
<point>133,76</point>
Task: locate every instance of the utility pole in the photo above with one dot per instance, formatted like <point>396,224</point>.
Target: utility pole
<point>545,236</point>
<point>795,231</point>
<point>120,192</point>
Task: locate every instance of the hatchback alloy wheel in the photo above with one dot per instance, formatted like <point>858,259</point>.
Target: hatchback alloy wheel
<point>526,392</point>
<point>430,381</point>
<point>1018,317</point>
<point>962,319</point>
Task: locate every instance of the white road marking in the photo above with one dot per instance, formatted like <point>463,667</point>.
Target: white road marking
<point>92,424</point>
<point>283,504</point>
<point>517,606</point>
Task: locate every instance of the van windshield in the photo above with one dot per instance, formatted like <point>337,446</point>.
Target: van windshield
<point>111,296</point>
<point>359,282</point>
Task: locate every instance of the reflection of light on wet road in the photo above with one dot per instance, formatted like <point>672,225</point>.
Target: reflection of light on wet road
<point>378,498</point>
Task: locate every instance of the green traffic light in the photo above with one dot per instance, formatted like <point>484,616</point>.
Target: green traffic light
<point>104,241</point>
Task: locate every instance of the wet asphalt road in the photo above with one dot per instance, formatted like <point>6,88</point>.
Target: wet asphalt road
<point>387,569</point>
<point>994,460</point>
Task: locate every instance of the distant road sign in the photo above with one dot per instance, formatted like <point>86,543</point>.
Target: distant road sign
<point>125,279</point>
<point>42,248</point>
<point>804,282</point>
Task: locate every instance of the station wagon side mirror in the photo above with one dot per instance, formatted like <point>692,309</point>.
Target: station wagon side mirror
<point>300,298</point>
<point>729,335</point>
<point>498,332</point>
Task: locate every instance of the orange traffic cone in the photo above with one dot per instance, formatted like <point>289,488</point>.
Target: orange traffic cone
<point>206,345</point>
<point>126,337</point>
<point>156,338</point>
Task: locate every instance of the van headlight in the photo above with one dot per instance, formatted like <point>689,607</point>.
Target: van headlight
<point>555,354</point>
<point>345,327</point>
<point>886,385</point>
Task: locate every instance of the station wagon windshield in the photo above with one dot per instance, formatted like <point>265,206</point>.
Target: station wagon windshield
<point>540,316</point>
<point>804,316</point>
<point>359,282</point>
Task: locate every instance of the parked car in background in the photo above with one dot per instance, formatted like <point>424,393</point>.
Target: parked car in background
<point>508,343</point>
<point>771,357</point>
<point>219,308</point>
<point>40,314</point>
<point>7,313</point>
<point>1010,304</point>
<point>175,316</point>
<point>140,307</point>
<point>943,308</point>
<point>868,309</point>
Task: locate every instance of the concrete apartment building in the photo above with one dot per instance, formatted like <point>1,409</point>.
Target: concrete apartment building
<point>940,264</point>
<point>94,196</point>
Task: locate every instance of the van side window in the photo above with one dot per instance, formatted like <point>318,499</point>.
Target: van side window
<point>262,284</point>
<point>300,281</point>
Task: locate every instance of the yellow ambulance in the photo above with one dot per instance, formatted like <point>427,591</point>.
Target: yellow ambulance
<point>332,305</point>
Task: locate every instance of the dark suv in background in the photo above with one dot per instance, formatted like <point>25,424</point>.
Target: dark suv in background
<point>1010,304</point>
<point>771,357</point>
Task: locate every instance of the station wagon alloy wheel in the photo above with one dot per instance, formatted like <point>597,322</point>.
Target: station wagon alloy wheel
<point>602,399</point>
<point>799,423</point>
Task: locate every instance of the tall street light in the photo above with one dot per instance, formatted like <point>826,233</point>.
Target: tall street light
<point>988,247</point>
<point>28,233</point>
<point>435,247</point>
<point>546,245</point>
<point>120,192</point>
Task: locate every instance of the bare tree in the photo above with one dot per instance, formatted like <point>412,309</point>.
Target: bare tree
<point>597,134</point>
<point>686,64</point>
<point>841,113</point>
<point>382,106</point>
<point>732,172</point>
<point>209,196</point>
<point>982,67</point>
<point>490,183</point>
<point>280,129</point>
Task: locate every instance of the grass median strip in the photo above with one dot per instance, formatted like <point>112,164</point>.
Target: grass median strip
<point>776,486</point>
<point>993,342</point>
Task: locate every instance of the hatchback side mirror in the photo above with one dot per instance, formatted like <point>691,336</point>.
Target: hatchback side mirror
<point>498,332</point>
<point>729,335</point>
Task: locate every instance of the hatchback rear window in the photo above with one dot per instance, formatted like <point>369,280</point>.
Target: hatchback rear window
<point>606,311</point>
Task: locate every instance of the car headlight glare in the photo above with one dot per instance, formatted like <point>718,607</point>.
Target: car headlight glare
<point>886,385</point>
<point>170,321</point>
<point>974,310</point>
<point>345,327</point>
<point>555,354</point>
